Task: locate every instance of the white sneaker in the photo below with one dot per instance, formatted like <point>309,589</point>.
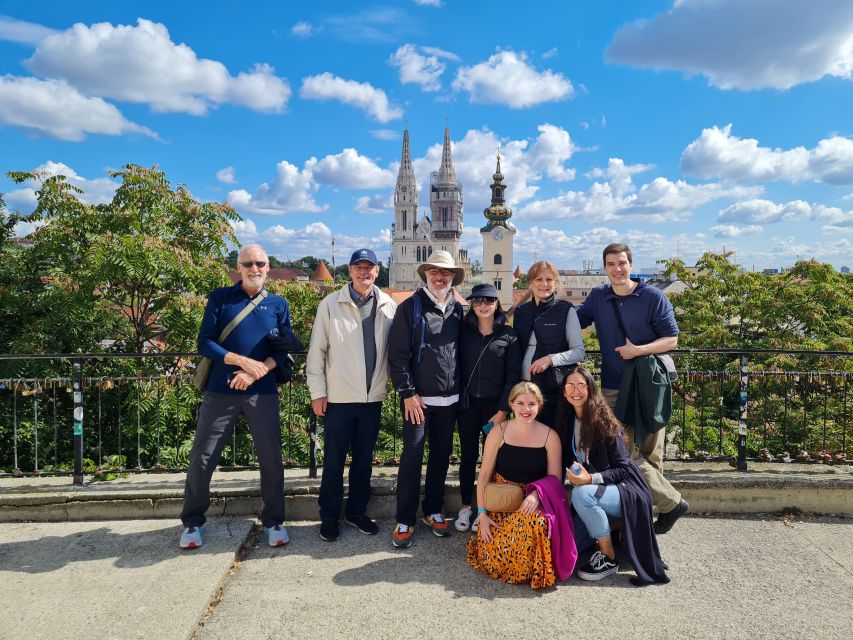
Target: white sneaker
<point>463,519</point>
<point>277,535</point>
<point>191,538</point>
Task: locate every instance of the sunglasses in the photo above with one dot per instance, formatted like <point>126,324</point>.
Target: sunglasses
<point>260,264</point>
<point>481,302</point>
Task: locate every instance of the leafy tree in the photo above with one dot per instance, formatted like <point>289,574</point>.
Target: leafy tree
<point>520,282</point>
<point>134,270</point>
<point>476,267</point>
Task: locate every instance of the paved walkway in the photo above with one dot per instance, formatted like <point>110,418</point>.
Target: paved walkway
<point>732,577</point>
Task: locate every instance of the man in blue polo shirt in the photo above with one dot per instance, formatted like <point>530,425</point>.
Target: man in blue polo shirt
<point>241,381</point>
<point>651,328</point>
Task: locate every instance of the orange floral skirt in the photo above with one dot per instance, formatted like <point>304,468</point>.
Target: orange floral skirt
<point>520,550</point>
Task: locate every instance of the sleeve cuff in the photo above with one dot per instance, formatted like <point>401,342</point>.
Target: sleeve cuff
<point>596,478</point>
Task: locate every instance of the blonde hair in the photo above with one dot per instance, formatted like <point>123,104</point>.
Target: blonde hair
<point>526,387</point>
<point>543,265</point>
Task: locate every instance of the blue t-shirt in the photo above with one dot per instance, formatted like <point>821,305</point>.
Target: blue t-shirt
<point>647,315</point>
<point>270,317</point>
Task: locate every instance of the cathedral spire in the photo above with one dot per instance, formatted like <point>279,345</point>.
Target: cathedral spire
<point>446,172</point>
<point>497,213</point>
<point>406,174</point>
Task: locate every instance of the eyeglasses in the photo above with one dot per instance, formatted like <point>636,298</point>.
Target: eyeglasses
<point>576,385</point>
<point>481,302</point>
<point>439,272</point>
<point>260,264</point>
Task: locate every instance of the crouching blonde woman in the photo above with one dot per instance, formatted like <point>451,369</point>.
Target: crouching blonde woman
<point>535,543</point>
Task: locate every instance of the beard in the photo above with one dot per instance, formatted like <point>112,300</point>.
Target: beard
<point>439,294</point>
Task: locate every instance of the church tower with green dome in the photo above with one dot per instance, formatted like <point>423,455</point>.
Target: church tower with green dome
<point>498,235</point>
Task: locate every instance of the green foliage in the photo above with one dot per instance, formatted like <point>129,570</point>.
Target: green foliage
<point>132,271</point>
<point>520,282</point>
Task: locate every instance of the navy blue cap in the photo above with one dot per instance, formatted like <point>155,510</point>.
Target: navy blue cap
<point>483,291</point>
<point>360,255</point>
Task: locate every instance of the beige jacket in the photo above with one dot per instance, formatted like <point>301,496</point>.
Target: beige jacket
<point>335,366</point>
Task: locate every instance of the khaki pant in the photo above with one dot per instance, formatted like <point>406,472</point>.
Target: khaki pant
<point>648,456</point>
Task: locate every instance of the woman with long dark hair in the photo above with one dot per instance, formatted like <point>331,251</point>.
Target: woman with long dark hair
<point>490,362</point>
<point>549,334</point>
<point>606,485</point>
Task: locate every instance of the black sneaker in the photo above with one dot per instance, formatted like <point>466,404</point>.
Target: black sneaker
<point>598,567</point>
<point>665,520</point>
<point>363,524</point>
<point>329,530</point>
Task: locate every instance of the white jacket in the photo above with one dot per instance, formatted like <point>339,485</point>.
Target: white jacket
<point>335,365</point>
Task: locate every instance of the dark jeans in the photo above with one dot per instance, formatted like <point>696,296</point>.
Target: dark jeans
<point>216,418</point>
<point>470,424</point>
<point>438,428</point>
<point>348,426</point>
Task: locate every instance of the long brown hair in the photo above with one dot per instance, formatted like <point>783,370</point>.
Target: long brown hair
<point>598,424</point>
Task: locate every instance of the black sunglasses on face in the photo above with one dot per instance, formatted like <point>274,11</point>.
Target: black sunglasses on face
<point>478,302</point>
<point>260,264</point>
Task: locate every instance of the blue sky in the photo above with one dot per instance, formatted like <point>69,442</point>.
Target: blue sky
<point>678,127</point>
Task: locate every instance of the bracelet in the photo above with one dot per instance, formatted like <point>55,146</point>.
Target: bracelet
<point>480,510</point>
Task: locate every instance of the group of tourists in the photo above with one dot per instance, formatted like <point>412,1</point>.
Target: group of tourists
<point>520,391</point>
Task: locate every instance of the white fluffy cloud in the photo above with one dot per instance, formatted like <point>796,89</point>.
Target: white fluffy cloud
<point>313,239</point>
<point>20,31</point>
<point>95,191</point>
<point>228,175</point>
<point>767,212</point>
<point>735,231</point>
<point>417,68</point>
<point>141,64</point>
<point>375,204</point>
<point>385,134</point>
<point>350,170</point>
<point>429,3</point>
<point>362,95</point>
<point>54,108</point>
<point>507,78</point>
<point>660,200</point>
<point>716,153</point>
<point>291,190</point>
<point>744,45</point>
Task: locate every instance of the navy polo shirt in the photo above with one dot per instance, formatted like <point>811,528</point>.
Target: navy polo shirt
<point>646,312</point>
<point>249,338</point>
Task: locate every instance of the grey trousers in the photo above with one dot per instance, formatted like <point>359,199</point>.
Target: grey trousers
<point>648,456</point>
<point>217,416</point>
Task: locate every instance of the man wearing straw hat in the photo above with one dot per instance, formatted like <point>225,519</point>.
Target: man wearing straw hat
<point>422,361</point>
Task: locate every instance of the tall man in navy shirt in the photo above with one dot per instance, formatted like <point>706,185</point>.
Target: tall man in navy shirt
<point>241,381</point>
<point>651,328</point>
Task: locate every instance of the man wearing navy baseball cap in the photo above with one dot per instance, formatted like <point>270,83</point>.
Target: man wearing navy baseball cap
<point>347,371</point>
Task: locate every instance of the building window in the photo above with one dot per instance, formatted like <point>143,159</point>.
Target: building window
<point>498,284</point>
<point>499,259</point>
<point>430,251</point>
<point>404,221</point>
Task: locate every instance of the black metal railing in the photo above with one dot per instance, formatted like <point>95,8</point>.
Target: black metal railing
<point>728,405</point>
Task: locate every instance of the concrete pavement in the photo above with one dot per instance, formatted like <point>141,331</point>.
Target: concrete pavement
<point>732,577</point>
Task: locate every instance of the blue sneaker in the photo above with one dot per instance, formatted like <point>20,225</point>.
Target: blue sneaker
<point>191,538</point>
<point>276,536</point>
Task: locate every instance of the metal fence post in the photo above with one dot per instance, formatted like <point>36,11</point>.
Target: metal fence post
<point>78,421</point>
<point>741,429</point>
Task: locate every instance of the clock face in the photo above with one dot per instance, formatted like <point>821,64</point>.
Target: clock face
<point>498,235</point>
<point>404,189</point>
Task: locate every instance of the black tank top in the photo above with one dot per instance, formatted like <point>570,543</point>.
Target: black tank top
<point>522,464</point>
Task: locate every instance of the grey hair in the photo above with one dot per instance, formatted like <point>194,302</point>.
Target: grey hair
<point>246,248</point>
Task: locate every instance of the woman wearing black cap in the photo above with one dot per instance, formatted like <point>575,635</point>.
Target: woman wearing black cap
<point>490,360</point>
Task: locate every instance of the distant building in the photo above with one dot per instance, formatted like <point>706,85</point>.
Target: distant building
<point>844,270</point>
<point>498,235</point>
<point>412,239</point>
<point>322,273</point>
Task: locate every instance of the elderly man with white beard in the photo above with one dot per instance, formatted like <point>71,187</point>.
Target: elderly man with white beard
<point>422,361</point>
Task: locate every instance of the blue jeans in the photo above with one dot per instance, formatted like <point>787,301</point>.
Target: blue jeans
<point>349,427</point>
<point>591,512</point>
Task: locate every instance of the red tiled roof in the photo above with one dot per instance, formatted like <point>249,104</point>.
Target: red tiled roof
<point>321,273</point>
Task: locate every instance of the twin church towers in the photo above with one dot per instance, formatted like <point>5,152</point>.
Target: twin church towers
<point>413,239</point>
